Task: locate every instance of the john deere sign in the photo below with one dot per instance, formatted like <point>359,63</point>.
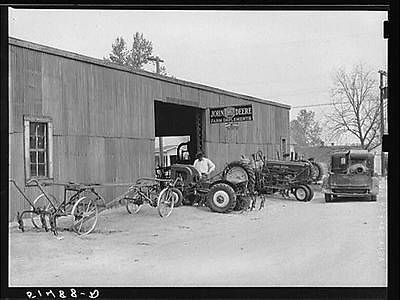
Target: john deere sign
<point>239,113</point>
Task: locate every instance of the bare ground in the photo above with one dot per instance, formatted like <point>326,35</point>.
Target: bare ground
<point>289,243</point>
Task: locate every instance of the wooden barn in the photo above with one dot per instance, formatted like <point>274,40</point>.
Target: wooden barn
<point>75,118</point>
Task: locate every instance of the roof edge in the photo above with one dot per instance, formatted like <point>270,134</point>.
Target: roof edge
<point>87,59</point>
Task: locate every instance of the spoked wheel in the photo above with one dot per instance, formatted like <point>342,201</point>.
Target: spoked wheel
<point>132,205</point>
<point>42,203</point>
<point>85,215</point>
<point>301,193</point>
<point>165,202</point>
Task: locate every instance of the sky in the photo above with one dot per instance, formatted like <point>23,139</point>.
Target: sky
<point>283,56</point>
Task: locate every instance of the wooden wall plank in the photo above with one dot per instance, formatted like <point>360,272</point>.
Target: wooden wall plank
<point>190,95</point>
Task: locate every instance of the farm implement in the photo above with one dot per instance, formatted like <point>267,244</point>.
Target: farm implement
<point>82,202</point>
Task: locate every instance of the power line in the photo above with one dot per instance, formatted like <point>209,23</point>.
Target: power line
<point>313,105</point>
<point>323,104</point>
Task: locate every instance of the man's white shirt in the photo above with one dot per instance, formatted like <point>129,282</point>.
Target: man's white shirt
<point>204,166</point>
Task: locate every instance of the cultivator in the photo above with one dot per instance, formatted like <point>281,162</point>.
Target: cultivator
<point>82,203</point>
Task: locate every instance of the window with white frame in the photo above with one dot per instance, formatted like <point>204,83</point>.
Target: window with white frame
<point>38,144</point>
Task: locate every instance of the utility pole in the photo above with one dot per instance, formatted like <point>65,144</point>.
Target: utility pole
<point>157,60</point>
<point>160,139</point>
<point>382,131</point>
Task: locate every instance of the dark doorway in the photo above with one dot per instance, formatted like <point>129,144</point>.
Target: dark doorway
<point>181,120</point>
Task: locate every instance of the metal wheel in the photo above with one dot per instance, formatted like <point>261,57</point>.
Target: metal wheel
<point>132,203</point>
<point>301,193</point>
<point>239,172</point>
<point>165,202</point>
<point>42,203</point>
<point>85,215</point>
<point>236,175</point>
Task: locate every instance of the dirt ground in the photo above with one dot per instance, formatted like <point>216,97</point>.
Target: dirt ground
<point>288,243</point>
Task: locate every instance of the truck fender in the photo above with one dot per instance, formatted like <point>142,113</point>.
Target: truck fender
<point>223,181</point>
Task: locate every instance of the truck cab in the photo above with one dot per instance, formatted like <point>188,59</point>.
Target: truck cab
<point>351,175</point>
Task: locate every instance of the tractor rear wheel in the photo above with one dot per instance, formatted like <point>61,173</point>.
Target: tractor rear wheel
<point>221,198</point>
<point>310,191</point>
<point>238,172</point>
<point>301,193</point>
<point>317,171</point>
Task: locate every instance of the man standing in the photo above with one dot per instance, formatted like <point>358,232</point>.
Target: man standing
<point>203,165</point>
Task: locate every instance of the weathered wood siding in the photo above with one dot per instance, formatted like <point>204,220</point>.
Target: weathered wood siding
<point>103,119</point>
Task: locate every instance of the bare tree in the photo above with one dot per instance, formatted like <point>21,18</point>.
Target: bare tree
<point>355,102</point>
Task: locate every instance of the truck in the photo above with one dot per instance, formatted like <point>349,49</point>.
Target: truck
<point>351,175</point>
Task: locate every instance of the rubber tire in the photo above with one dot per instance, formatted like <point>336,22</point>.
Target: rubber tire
<point>248,169</point>
<point>232,198</point>
<point>180,197</point>
<point>328,198</point>
<point>321,170</point>
<point>306,191</point>
<point>310,192</point>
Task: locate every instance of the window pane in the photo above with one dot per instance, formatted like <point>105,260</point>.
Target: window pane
<point>41,129</point>
<point>33,170</point>
<point>40,142</point>
<point>41,156</point>
<point>41,170</point>
<point>33,157</point>
<point>32,127</point>
<point>32,142</point>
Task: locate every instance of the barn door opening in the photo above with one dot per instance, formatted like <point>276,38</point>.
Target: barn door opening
<point>178,124</point>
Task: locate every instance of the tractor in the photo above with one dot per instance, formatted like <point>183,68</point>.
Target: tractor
<point>217,193</point>
<point>263,177</point>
